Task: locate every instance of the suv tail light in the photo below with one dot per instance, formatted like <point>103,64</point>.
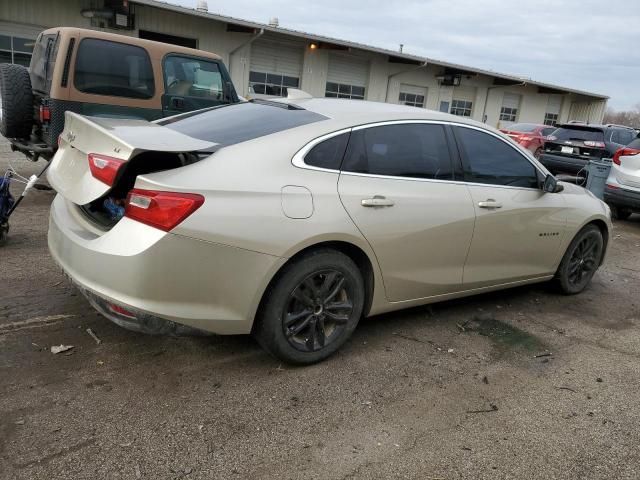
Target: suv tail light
<point>624,152</point>
<point>104,168</point>
<point>591,143</point>
<point>44,114</point>
<point>163,210</point>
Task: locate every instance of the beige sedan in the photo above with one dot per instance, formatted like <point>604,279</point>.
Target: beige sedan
<point>293,219</point>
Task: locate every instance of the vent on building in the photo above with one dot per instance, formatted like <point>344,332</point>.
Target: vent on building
<point>274,22</point>
<point>202,6</point>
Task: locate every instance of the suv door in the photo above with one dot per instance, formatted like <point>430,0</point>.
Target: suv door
<point>397,183</point>
<point>191,83</point>
<point>519,227</point>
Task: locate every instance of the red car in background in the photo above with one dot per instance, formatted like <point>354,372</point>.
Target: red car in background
<point>530,135</point>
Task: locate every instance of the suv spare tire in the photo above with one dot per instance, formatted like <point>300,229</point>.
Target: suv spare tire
<point>16,101</point>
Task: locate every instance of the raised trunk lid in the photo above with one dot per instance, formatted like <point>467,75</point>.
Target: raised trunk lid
<point>122,139</point>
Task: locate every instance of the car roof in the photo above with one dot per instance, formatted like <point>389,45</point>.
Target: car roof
<point>362,111</point>
<point>595,126</point>
<point>156,48</point>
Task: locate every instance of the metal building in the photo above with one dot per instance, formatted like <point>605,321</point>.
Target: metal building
<point>266,59</point>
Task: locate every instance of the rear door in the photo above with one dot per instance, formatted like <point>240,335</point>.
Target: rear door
<point>191,83</point>
<point>518,227</point>
<point>398,185</point>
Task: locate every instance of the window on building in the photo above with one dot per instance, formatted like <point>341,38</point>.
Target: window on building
<point>551,119</point>
<point>192,77</point>
<point>341,90</point>
<point>16,50</point>
<point>492,161</point>
<point>407,150</point>
<point>272,83</point>
<point>112,68</point>
<point>444,106</point>
<point>462,108</point>
<point>508,114</point>
<point>411,99</point>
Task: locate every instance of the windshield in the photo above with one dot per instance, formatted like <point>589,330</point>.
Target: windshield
<point>236,123</point>
<point>523,127</point>
<point>582,134</point>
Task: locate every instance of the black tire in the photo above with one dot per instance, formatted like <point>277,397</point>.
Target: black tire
<point>538,153</point>
<point>335,283</point>
<point>620,213</point>
<point>16,101</point>
<point>580,261</point>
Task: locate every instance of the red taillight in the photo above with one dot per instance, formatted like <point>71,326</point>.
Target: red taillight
<point>591,143</point>
<point>624,152</point>
<point>44,114</point>
<point>121,311</point>
<point>163,210</point>
<point>525,138</point>
<point>105,168</point>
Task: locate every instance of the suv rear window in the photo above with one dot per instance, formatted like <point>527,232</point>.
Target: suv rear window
<point>115,69</point>
<point>578,133</point>
<point>240,122</point>
<point>523,127</point>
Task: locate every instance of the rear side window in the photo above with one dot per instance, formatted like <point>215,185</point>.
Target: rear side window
<point>328,154</point>
<point>492,161</point>
<point>635,143</point>
<point>192,77</point>
<point>43,61</point>
<point>580,134</point>
<point>240,122</point>
<point>406,150</point>
<point>114,69</point>
<point>622,137</point>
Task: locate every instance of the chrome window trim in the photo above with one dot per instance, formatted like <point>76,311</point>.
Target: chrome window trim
<point>298,158</point>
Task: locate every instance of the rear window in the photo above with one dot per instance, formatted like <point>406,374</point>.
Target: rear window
<point>240,122</point>
<point>580,134</point>
<point>523,127</point>
<point>43,61</point>
<point>114,69</point>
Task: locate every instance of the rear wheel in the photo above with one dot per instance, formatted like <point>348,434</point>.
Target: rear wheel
<point>538,153</point>
<point>620,213</point>
<point>16,101</point>
<point>312,308</point>
<point>580,261</point>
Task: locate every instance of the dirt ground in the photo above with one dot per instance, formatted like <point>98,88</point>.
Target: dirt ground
<point>518,384</point>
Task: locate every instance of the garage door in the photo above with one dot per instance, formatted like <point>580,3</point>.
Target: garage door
<point>347,77</point>
<point>462,101</point>
<point>552,113</point>
<point>274,67</point>
<point>412,95</point>
<point>509,110</point>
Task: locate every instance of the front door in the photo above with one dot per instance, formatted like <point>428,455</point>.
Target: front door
<point>192,83</point>
<point>397,184</point>
<point>519,227</point>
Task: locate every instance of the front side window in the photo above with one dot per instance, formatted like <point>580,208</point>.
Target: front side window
<point>342,90</point>
<point>193,77</point>
<point>115,69</point>
<point>272,83</point>
<point>406,150</point>
<point>492,161</point>
<point>462,108</point>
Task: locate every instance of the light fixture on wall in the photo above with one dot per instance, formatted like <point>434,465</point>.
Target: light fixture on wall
<point>313,46</point>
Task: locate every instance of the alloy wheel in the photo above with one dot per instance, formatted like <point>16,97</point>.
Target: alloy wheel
<point>584,261</point>
<point>318,310</point>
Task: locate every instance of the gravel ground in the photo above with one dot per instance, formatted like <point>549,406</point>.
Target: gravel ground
<point>518,384</point>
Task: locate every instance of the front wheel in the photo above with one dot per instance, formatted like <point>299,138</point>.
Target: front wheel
<point>312,308</point>
<point>580,261</point>
<point>620,213</point>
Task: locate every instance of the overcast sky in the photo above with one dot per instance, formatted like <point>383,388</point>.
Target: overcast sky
<point>584,44</point>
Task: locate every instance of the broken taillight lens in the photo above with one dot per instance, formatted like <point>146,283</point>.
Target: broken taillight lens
<point>624,152</point>
<point>162,210</point>
<point>104,168</point>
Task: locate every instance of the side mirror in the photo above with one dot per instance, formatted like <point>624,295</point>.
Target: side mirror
<point>551,185</point>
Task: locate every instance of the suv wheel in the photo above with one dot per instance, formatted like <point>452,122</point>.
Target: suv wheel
<point>16,101</point>
<point>580,261</point>
<point>312,308</point>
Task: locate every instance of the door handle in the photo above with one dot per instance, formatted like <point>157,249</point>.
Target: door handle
<point>377,201</point>
<point>489,203</point>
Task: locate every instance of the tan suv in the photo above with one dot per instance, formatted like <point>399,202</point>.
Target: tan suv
<point>103,74</point>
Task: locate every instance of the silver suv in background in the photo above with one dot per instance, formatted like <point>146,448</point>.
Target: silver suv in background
<point>622,191</point>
